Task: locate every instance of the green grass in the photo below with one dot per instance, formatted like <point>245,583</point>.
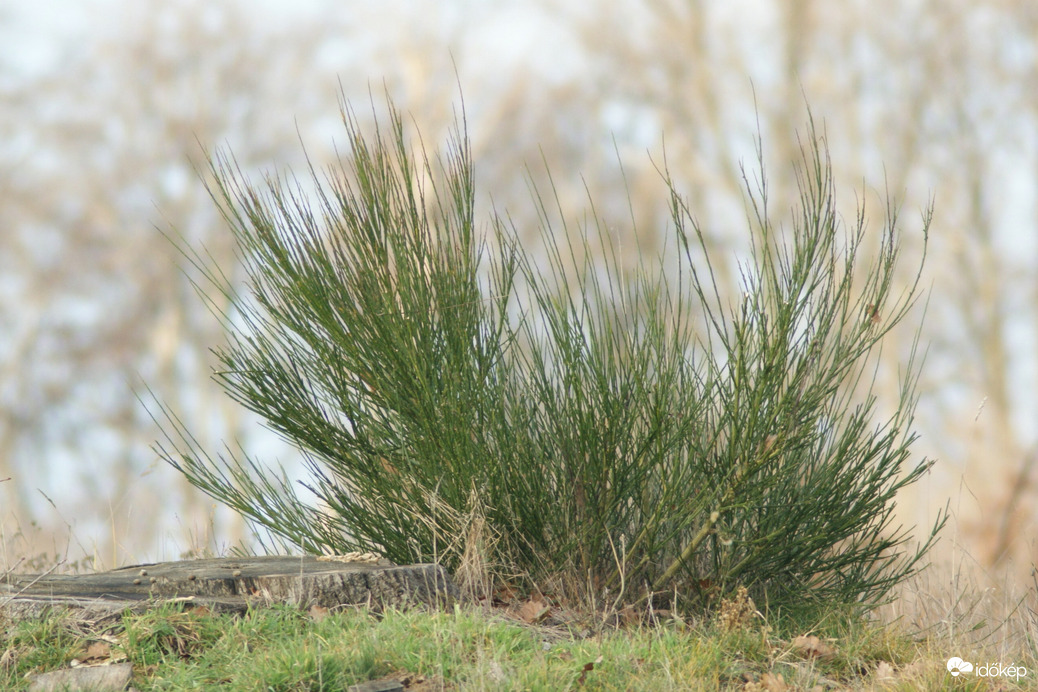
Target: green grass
<point>470,648</point>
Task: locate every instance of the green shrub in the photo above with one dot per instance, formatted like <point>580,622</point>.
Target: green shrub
<point>630,433</point>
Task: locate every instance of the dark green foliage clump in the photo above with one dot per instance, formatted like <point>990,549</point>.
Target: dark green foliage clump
<point>636,433</point>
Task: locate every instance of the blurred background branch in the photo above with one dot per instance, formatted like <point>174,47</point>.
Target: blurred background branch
<point>107,107</point>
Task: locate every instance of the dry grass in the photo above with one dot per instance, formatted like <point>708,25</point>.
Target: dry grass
<point>963,609</point>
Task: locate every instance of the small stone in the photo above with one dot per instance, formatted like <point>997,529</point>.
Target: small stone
<point>114,678</point>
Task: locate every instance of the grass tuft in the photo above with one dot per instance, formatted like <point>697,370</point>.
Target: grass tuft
<point>633,438</point>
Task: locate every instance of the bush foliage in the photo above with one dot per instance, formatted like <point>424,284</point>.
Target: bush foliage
<point>628,433</point>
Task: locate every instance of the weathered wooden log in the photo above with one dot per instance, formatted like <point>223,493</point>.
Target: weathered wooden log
<point>227,585</point>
